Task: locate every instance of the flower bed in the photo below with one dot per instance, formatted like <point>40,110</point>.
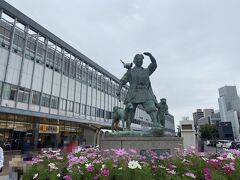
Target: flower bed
<point>128,164</point>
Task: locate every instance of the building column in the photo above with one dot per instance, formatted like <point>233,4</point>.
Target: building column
<point>36,132</point>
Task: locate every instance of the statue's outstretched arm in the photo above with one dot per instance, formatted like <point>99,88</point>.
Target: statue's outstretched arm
<point>153,65</point>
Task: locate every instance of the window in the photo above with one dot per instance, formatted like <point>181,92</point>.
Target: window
<point>73,69</point>
<point>94,82</point>
<point>93,111</point>
<point>5,33</point>
<point>97,112</point>
<point>58,61</point>
<point>40,52</point>
<point>17,43</point>
<point>23,95</point>
<point>63,104</point>
<point>9,92</point>
<point>30,48</point>
<point>83,109</point>
<point>70,106</point>
<point>187,126</point>
<point>50,58</point>
<point>88,110</point>
<point>101,113</point>
<point>54,102</point>
<point>45,100</point>
<point>79,72</point>
<point>84,75</point>
<point>26,96</point>
<point>0,88</point>
<point>76,108</point>
<point>66,66</point>
<point>35,97</point>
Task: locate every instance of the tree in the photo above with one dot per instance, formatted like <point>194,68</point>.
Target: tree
<point>208,131</point>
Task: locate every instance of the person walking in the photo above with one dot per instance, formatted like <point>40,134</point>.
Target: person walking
<point>1,158</point>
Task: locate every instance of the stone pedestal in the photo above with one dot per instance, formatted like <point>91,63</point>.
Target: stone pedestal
<point>158,144</point>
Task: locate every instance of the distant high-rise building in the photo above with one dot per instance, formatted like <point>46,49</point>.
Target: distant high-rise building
<point>213,118</point>
<point>229,106</point>
<point>208,112</point>
<point>197,115</point>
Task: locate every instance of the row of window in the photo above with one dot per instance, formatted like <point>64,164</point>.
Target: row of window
<point>10,93</point>
<point>70,67</point>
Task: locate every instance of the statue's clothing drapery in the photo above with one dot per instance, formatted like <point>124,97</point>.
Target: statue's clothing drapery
<point>140,89</point>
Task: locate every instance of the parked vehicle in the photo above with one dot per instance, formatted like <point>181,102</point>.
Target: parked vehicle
<point>223,144</point>
<point>227,145</point>
<point>211,142</point>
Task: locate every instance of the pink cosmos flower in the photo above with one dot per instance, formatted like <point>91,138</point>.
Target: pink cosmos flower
<point>67,177</point>
<point>207,174</point>
<point>171,172</point>
<point>120,152</point>
<point>92,155</point>
<point>105,172</point>
<point>90,168</point>
<point>190,175</point>
<point>229,168</point>
<point>132,151</point>
<point>97,161</point>
<point>214,162</point>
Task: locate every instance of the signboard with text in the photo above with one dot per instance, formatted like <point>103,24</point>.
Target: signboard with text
<point>45,128</point>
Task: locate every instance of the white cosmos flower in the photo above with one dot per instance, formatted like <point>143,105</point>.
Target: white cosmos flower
<point>86,165</point>
<point>103,166</point>
<point>230,156</point>
<point>52,166</point>
<point>205,159</point>
<point>58,175</point>
<point>220,158</point>
<point>134,164</point>
<point>35,176</point>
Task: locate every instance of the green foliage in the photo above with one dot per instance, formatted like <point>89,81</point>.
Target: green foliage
<point>208,131</point>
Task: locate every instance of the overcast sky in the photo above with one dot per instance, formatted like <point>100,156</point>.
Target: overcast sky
<point>196,43</point>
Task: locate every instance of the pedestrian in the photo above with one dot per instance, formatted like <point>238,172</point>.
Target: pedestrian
<point>1,158</point>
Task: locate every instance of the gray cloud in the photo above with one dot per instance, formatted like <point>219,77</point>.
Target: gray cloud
<point>196,43</point>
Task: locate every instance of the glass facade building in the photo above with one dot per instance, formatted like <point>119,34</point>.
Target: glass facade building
<point>49,90</point>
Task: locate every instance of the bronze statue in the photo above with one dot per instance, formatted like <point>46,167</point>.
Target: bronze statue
<point>140,90</point>
<point>162,111</point>
<point>118,114</point>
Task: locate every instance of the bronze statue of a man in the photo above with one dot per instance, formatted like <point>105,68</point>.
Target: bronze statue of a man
<point>140,90</point>
<point>162,111</point>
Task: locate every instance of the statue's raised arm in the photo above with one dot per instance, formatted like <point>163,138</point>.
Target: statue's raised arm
<point>153,65</point>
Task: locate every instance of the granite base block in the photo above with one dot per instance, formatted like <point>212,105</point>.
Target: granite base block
<point>158,144</point>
